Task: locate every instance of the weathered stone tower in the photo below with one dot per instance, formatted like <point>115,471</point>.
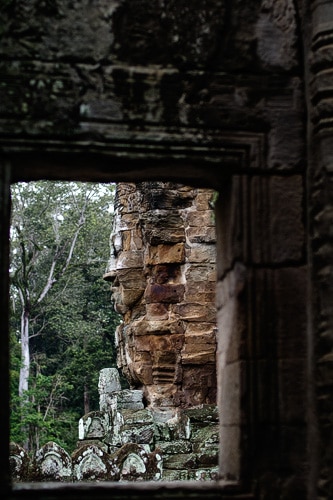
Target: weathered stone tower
<point>163,273</point>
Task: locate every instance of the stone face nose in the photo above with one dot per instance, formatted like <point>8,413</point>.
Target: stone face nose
<point>110,276</point>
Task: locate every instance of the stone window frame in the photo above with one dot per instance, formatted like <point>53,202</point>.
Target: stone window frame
<point>198,163</point>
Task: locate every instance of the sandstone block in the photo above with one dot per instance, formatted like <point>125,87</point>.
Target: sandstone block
<point>201,234</point>
<point>129,198</point>
<point>201,337</point>
<point>141,370</point>
<point>128,297</point>
<point>125,222</point>
<point>126,239</point>
<point>199,286</point>
<point>194,311</point>
<point>204,436</point>
<point>198,353</point>
<point>198,358</point>
<point>161,395</point>
<point>124,190</point>
<point>157,236</point>
<point>196,273</point>
<point>172,447</point>
<point>157,311</point>
<point>204,198</point>
<point>138,433</point>
<point>107,402</point>
<point>199,384</point>
<point>163,373</point>
<point>130,259</point>
<point>201,253</point>
<point>132,278</point>
<point>166,273</point>
<point>163,343</point>
<point>200,219</point>
<point>170,294</point>
<point>207,297</point>
<point>130,399</point>
<point>109,381</point>
<point>196,329</point>
<point>117,241</point>
<point>207,414</point>
<point>167,218</point>
<point>175,475</point>
<point>208,457</point>
<point>146,327</point>
<point>180,461</point>
<point>136,417</point>
<point>137,240</point>
<point>165,254</point>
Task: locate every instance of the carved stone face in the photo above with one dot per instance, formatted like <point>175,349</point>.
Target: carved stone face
<point>162,270</point>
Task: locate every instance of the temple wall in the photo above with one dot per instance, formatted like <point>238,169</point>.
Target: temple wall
<point>234,96</point>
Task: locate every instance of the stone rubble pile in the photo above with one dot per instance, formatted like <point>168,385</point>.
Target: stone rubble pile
<point>124,441</point>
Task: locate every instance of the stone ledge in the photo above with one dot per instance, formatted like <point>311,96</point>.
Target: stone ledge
<point>224,490</point>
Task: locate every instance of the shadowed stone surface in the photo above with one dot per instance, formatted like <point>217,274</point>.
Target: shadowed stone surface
<point>235,96</point>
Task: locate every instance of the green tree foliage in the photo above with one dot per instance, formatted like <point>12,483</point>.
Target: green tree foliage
<point>59,251</point>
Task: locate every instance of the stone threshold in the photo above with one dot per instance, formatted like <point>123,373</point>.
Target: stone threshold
<point>225,490</point>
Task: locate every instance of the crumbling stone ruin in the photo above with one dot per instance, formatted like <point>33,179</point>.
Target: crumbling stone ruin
<point>124,441</point>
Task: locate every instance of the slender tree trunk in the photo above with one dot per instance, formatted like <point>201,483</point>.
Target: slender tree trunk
<point>25,352</point>
<point>25,370</point>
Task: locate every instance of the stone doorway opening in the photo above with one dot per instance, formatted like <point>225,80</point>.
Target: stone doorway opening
<point>231,314</point>
<point>162,266</point>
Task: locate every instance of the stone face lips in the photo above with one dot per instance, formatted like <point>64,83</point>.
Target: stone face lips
<point>162,269</point>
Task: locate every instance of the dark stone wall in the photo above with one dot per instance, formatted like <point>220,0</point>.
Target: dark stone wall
<point>320,201</point>
<point>110,77</point>
<point>230,95</point>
